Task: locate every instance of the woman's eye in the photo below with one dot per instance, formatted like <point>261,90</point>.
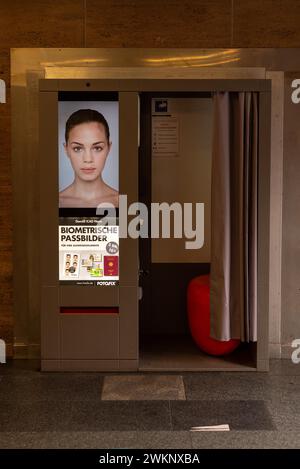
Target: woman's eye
<point>98,148</point>
<point>77,149</point>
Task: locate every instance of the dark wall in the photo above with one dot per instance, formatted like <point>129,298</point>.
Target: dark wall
<point>166,311</point>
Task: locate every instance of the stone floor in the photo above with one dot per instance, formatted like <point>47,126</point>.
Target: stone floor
<point>98,410</point>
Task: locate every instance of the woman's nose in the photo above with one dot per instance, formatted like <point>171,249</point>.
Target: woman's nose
<point>87,156</point>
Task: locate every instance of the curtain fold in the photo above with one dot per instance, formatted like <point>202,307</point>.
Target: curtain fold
<point>233,277</point>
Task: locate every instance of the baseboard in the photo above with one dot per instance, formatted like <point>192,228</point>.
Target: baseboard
<point>275,350</point>
<point>80,365</point>
<point>9,350</point>
<point>33,351</point>
<point>262,365</point>
<point>286,351</point>
<point>26,351</point>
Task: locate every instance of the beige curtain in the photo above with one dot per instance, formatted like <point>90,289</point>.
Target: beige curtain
<point>233,277</point>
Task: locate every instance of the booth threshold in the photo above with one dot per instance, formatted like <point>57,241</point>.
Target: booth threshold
<point>179,353</point>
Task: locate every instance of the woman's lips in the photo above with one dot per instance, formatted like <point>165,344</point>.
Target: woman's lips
<point>88,170</point>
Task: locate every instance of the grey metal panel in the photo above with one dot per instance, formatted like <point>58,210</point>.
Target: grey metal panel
<point>129,262</point>
<point>50,343</point>
<point>88,295</point>
<point>89,365</point>
<point>128,300</point>
<point>48,85</point>
<point>129,325</point>
<point>80,365</point>
<point>263,230</point>
<point>129,127</point>
<point>128,130</point>
<point>129,365</point>
<point>172,84</point>
<point>50,332</point>
<point>89,336</point>
<point>48,168</point>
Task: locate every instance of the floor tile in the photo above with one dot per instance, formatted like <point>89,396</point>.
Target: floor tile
<point>37,416</point>
<point>231,386</point>
<point>153,440</point>
<point>109,440</point>
<point>239,415</point>
<point>65,410</point>
<point>50,386</point>
<point>289,439</point>
<point>99,439</point>
<point>143,387</point>
<point>52,415</point>
<point>153,415</point>
<point>103,416</point>
<point>20,367</point>
<point>68,440</point>
<point>245,440</point>
<point>287,386</point>
<point>7,413</point>
<point>164,440</point>
<point>284,367</point>
<point>85,416</point>
<point>286,415</point>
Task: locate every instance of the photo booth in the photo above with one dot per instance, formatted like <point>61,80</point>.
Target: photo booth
<point>134,316</point>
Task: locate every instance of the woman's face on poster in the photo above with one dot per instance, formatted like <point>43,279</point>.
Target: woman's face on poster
<point>87,148</point>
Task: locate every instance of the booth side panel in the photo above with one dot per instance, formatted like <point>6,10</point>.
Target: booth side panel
<point>50,343</point>
<point>263,254</point>
<point>129,268</point>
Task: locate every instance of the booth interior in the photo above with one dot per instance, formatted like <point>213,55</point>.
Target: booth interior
<point>175,165</point>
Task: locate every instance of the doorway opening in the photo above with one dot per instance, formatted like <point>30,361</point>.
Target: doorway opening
<point>175,166</point>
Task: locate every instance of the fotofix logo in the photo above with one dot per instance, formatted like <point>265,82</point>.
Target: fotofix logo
<point>2,92</point>
<point>296,92</point>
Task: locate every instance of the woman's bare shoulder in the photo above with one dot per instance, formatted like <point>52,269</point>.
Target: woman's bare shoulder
<point>112,199</point>
<point>115,199</point>
<point>67,192</point>
<point>66,197</point>
<point>112,196</point>
<point>111,190</point>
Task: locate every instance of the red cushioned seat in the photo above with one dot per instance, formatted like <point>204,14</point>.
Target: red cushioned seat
<point>198,305</point>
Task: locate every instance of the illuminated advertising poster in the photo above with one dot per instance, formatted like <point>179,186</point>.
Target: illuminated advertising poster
<point>88,251</point>
<point>88,179</point>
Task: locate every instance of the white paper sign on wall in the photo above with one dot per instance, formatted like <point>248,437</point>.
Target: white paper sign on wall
<point>2,92</point>
<point>2,351</point>
<point>296,92</point>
